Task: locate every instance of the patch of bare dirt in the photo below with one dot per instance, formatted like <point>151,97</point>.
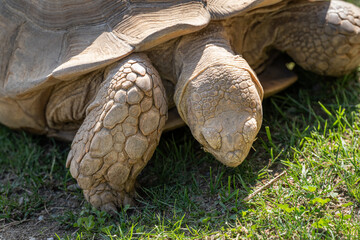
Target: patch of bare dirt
<point>45,223</point>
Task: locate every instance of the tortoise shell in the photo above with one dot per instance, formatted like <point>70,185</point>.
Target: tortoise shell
<point>58,40</point>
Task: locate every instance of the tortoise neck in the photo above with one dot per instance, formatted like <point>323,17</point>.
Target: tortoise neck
<point>193,51</point>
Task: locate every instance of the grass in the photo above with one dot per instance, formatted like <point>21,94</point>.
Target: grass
<point>310,135</point>
<point>311,131</point>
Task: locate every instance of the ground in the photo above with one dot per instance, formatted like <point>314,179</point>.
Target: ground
<point>311,131</point>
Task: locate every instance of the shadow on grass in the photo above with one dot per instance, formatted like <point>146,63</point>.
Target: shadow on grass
<point>181,180</point>
<point>182,191</point>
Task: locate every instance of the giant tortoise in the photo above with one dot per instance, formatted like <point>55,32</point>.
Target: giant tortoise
<point>104,73</point>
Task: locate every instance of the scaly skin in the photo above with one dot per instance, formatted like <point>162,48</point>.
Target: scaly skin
<point>218,95</point>
<point>328,46</point>
<point>322,37</point>
<point>120,132</point>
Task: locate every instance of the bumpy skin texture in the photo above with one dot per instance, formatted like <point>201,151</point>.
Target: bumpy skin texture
<point>120,133</point>
<point>322,37</point>
<point>220,97</point>
<point>327,42</point>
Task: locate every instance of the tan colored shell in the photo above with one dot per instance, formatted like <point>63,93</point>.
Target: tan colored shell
<point>58,40</point>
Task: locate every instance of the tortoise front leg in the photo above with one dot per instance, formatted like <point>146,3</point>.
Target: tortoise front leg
<point>217,95</point>
<point>120,132</point>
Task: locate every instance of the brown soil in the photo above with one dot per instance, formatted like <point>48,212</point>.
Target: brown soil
<point>43,225</point>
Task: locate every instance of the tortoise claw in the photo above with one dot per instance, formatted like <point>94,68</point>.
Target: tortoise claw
<point>109,208</point>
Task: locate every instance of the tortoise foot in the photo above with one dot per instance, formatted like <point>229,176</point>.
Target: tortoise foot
<point>106,198</point>
<point>119,134</point>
